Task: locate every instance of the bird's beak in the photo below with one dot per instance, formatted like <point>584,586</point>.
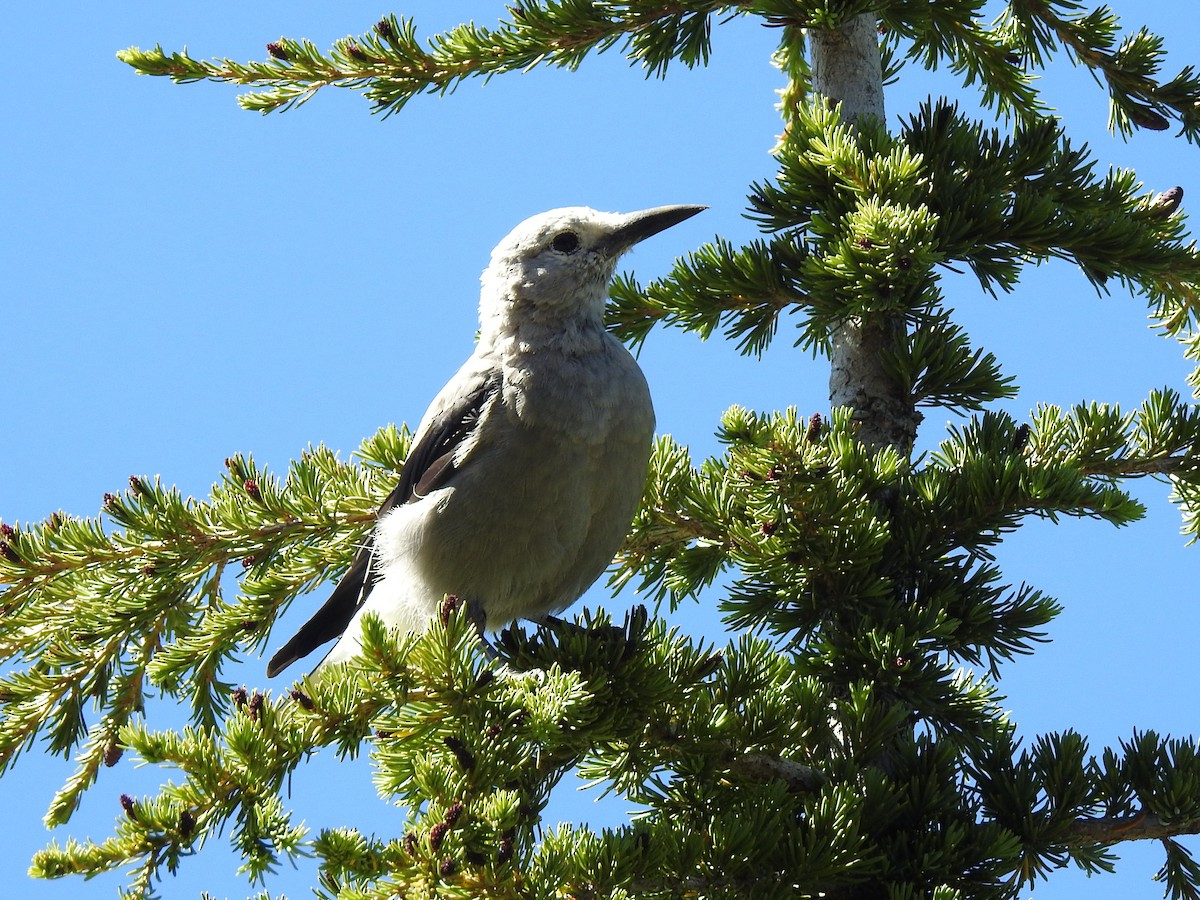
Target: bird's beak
<point>638,226</point>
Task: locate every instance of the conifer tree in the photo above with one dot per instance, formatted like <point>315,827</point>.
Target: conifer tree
<point>845,739</point>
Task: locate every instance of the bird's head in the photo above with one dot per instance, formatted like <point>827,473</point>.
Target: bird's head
<point>559,263</point>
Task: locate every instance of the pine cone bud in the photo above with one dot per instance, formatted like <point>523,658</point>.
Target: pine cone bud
<point>1150,119</point>
<point>1166,203</point>
<point>1021,437</point>
<point>506,847</point>
<point>437,834</point>
<point>449,605</point>
<point>465,759</point>
<point>813,434</point>
<point>486,677</point>
<point>709,666</point>
<point>112,753</point>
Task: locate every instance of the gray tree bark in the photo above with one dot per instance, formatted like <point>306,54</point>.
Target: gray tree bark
<point>846,68</point>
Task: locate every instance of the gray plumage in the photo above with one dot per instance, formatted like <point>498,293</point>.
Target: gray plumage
<point>528,466</point>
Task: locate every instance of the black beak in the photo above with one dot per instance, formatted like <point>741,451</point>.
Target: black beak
<point>648,222</point>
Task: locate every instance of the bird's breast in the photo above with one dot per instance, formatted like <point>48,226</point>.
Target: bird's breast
<point>589,397</point>
<point>544,491</point>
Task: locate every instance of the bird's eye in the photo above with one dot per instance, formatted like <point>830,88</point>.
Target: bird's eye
<point>567,242</point>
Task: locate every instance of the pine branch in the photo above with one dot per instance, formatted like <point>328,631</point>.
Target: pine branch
<point>1141,826</point>
<point>743,292</point>
<point>762,767</point>
<point>949,191</point>
<point>94,613</point>
<point>470,750</point>
<point>1069,807</point>
<point>949,33</point>
<point>1131,70</point>
<point>390,66</point>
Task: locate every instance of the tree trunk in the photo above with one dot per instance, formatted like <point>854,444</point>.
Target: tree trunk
<point>846,68</point>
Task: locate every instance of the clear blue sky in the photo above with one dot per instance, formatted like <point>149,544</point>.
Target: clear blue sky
<point>183,280</point>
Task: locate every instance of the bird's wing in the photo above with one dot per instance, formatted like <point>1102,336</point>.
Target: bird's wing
<point>447,426</point>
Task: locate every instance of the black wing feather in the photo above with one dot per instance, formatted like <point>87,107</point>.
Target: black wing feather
<point>429,465</point>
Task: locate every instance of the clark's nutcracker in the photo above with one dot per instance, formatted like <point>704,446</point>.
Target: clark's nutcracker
<point>529,464</point>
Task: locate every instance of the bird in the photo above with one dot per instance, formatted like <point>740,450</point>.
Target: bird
<point>526,470</point>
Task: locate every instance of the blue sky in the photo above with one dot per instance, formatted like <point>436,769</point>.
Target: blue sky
<point>184,280</point>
